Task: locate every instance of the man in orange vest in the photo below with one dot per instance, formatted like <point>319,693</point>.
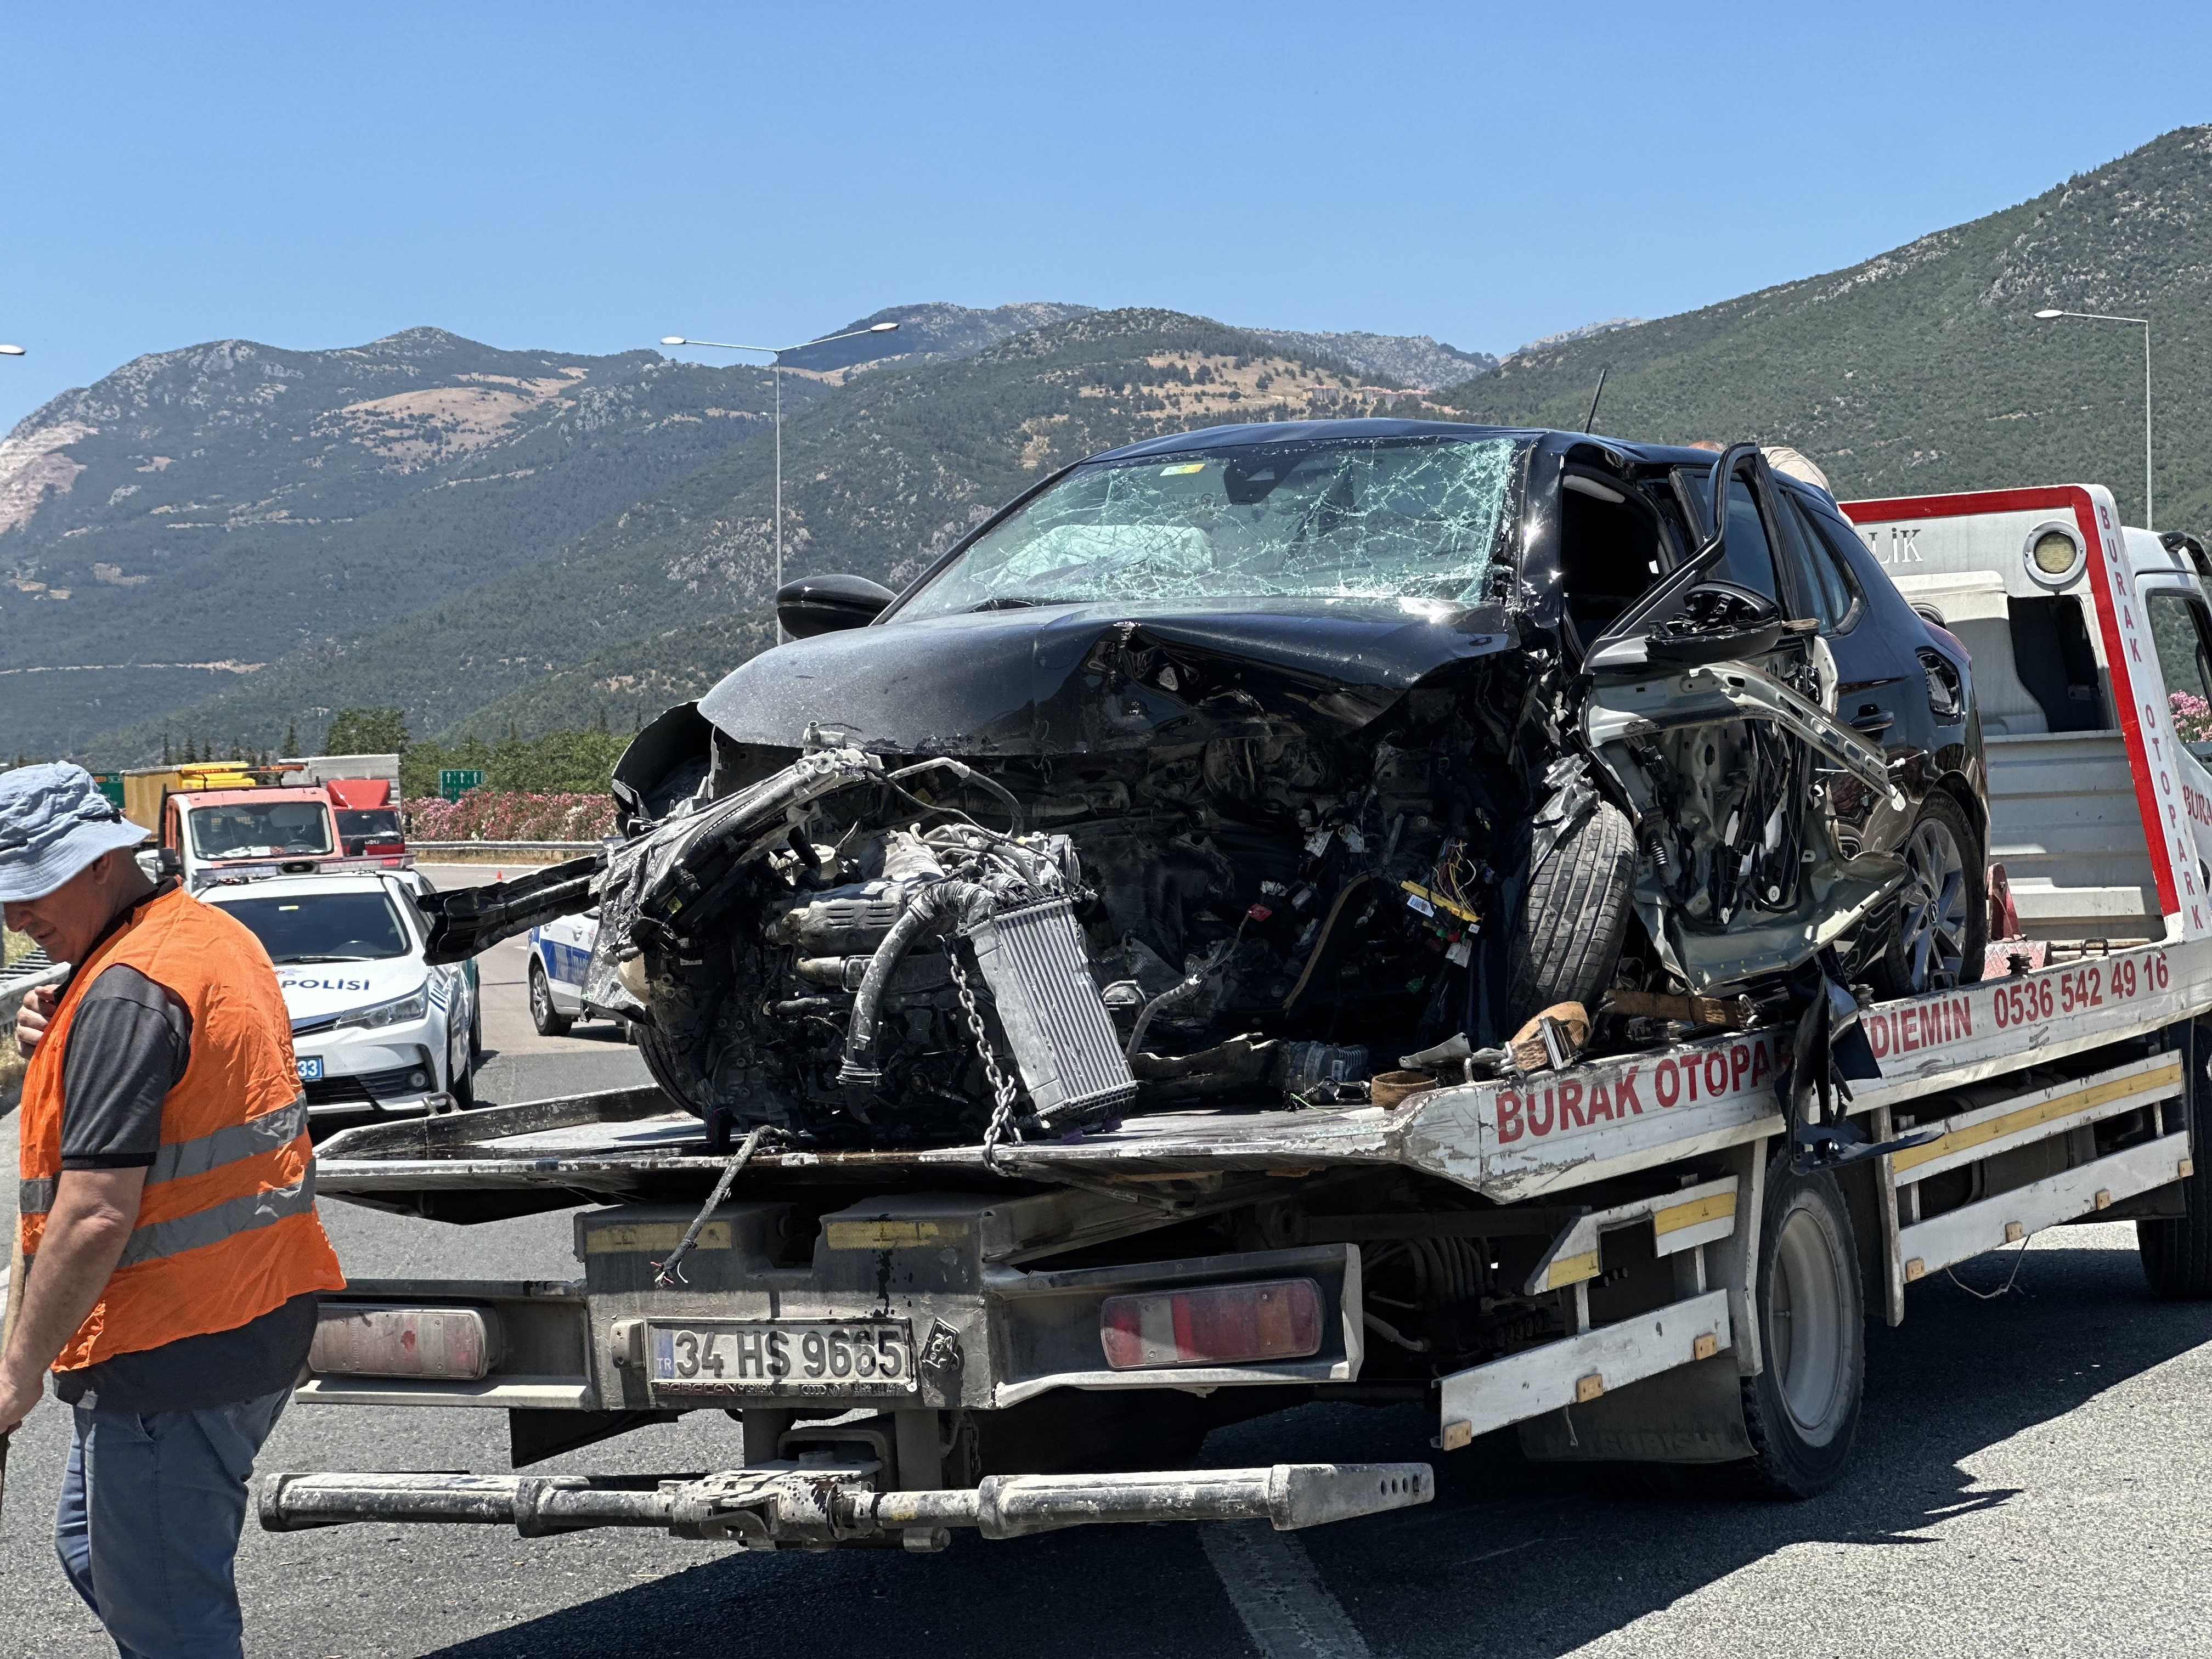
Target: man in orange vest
<point>173,1253</point>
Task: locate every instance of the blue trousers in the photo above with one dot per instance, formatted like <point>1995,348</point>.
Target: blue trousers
<point>148,1522</point>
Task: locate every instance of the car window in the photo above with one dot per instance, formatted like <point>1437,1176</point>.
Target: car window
<point>1750,559</point>
<point>2182,633</point>
<point>322,926</point>
<point>1820,567</point>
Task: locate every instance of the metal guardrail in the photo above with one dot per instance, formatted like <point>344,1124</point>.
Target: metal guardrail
<point>571,848</point>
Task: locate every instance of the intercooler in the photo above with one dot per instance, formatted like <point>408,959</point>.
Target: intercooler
<point>1065,1047</point>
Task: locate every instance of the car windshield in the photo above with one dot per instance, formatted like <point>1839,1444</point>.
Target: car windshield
<point>249,829</point>
<point>322,926</point>
<point>371,823</point>
<point>1368,518</point>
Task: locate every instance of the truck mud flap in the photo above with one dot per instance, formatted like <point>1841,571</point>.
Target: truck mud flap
<point>823,1505</point>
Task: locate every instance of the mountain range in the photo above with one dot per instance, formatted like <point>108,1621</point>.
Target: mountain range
<point>219,541</point>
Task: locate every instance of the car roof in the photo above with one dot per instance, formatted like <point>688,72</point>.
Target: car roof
<point>1281,432</point>
<point>193,798</point>
<point>348,881</point>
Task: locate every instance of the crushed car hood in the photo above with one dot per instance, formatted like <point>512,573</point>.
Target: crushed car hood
<point>1070,679</point>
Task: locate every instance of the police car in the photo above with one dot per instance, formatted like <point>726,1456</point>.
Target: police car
<point>374,1027</point>
<point>560,954</point>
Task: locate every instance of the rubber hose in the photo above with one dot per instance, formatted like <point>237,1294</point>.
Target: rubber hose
<point>966,902</point>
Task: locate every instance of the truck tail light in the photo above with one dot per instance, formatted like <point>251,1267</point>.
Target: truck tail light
<point>447,1344</point>
<point>1218,1325</point>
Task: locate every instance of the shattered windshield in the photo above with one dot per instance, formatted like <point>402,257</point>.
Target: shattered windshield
<point>1376,519</point>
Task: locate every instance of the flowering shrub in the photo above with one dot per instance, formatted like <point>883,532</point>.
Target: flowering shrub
<point>2192,717</point>
<point>510,814</point>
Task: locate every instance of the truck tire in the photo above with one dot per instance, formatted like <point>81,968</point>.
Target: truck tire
<point>1573,917</point>
<point>1942,918</point>
<point>1802,1409</point>
<point>545,1017</point>
<point>2176,1254</point>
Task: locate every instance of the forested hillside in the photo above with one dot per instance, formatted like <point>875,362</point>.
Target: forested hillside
<point>1925,370</point>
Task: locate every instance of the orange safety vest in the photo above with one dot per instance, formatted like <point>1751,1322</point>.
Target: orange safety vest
<point>227,1230</point>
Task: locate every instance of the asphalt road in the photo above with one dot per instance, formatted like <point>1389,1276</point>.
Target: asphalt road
<point>2029,1481</point>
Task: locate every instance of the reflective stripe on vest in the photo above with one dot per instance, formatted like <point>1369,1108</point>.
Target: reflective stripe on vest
<point>219,1221</point>
<point>231,1145</point>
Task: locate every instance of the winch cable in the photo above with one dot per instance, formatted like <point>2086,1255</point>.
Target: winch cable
<point>668,1273</point>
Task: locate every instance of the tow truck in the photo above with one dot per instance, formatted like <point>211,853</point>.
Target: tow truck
<point>1028,1335</point>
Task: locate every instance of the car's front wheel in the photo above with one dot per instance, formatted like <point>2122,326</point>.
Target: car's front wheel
<point>1942,914</point>
<point>548,1020</point>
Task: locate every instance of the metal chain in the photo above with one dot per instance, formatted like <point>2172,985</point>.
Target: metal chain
<point>1002,1086</point>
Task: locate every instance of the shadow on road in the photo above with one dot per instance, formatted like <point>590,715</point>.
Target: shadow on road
<point>1512,1558</point>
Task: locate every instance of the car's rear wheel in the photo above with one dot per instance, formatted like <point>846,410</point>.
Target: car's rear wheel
<point>1942,914</point>
<point>1574,917</point>
<point>547,1019</point>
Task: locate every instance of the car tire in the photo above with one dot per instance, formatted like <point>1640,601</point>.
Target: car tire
<point>1941,921</point>
<point>1574,917</point>
<point>545,1017</point>
<point>476,1032</point>
<point>1801,1410</point>
<point>2177,1252</point>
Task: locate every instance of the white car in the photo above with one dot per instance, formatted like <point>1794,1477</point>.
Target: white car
<point>374,1027</point>
<point>560,955</point>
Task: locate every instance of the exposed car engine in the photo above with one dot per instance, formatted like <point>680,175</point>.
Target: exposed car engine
<point>866,949</point>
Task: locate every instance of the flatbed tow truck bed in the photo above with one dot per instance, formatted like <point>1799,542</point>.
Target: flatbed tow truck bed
<point>1618,1259</point>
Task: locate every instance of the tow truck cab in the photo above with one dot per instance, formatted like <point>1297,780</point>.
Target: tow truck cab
<point>240,833</point>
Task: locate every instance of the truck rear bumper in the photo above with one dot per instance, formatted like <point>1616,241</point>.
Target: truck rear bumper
<point>824,1505</point>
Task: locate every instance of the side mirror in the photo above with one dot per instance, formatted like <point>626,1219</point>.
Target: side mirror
<point>823,605</point>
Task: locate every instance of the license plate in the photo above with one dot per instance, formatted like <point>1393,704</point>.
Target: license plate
<point>310,1068</point>
<point>784,1357</point>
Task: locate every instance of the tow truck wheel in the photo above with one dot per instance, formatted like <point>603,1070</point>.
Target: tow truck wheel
<point>1802,1409</point>
<point>548,1020</point>
<point>2177,1253</point>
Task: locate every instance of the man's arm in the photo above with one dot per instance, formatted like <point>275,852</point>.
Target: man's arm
<point>94,1213</point>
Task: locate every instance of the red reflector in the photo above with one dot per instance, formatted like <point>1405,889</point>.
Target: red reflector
<point>1218,1325</point>
<point>449,1344</point>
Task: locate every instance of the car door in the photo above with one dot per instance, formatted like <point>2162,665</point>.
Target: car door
<point>1708,704</point>
<point>1877,685</point>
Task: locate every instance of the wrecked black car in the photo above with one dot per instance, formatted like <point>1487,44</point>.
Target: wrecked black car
<point>1238,765</point>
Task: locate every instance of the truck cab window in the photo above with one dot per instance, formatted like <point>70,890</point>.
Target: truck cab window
<point>2184,636</point>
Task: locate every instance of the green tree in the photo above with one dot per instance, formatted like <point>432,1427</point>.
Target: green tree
<point>291,739</point>
<point>367,731</point>
<point>191,755</point>
<point>166,759</point>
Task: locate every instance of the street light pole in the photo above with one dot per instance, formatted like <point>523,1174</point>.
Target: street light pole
<point>2150,519</point>
<point>775,354</point>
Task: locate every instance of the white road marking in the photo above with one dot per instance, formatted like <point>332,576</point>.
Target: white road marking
<point>1271,1580</point>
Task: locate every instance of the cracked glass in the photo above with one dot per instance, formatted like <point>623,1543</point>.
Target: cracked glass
<point>1418,519</point>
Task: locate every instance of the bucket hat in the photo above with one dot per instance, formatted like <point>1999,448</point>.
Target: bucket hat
<point>53,822</point>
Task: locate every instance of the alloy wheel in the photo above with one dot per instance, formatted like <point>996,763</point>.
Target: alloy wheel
<point>1932,911</point>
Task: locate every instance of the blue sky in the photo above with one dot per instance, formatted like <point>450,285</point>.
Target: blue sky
<point>592,177</point>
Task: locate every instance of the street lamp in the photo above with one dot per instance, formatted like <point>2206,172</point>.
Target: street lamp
<point>776,354</point>
<point>2143,323</point>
